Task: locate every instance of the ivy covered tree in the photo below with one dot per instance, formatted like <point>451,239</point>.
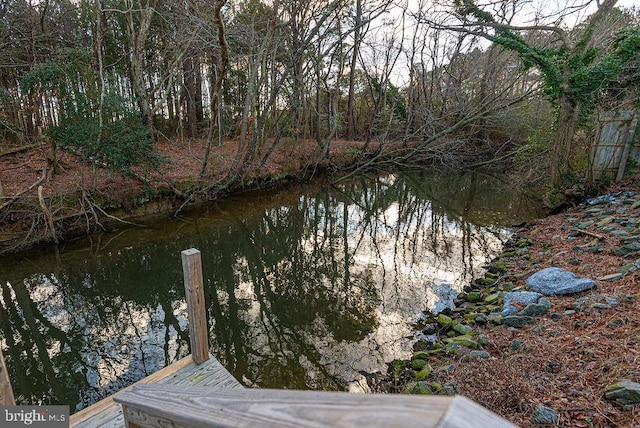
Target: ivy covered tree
<point>575,72</point>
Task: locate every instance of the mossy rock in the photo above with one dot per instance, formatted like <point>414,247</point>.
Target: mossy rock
<point>482,339</point>
<point>507,286</point>
<point>491,275</point>
<point>498,267</point>
<point>418,364</point>
<point>524,242</point>
<point>466,340</point>
<point>421,387</point>
<point>493,298</point>
<point>444,320</point>
<point>462,329</point>
<point>424,373</point>
<point>422,355</point>
<point>435,386</point>
<point>623,392</point>
<point>397,367</point>
<point>485,281</point>
<point>473,296</point>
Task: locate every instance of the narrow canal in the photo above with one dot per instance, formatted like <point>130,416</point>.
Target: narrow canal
<point>307,287</point>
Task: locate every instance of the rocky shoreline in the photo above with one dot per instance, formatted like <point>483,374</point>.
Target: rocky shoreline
<point>532,339</point>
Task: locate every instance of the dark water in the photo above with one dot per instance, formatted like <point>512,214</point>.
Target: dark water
<point>306,286</point>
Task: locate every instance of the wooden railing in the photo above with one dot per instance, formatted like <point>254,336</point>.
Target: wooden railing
<point>169,405</point>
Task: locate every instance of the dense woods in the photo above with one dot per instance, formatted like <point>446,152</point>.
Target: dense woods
<point>106,79</point>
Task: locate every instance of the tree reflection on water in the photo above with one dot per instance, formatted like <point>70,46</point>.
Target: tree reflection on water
<point>306,289</point>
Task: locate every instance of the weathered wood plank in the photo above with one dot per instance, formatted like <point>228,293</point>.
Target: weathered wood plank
<point>465,413</point>
<point>194,291</point>
<point>157,405</point>
<point>107,413</point>
<point>6,392</point>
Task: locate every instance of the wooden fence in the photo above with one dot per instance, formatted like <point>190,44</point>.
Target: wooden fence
<point>614,145</point>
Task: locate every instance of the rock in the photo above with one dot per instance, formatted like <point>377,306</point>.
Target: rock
<point>522,297</point>
<point>599,305</point>
<point>494,318</point>
<point>424,373</point>
<point>474,355</point>
<point>553,280</point>
<point>585,225</point>
<point>555,201</point>
<point>485,281</point>
<point>421,387</point>
<point>534,310</point>
<point>465,340</point>
<point>600,200</point>
<point>451,388</point>
<point>422,355</point>
<point>611,300</point>
<point>628,249</point>
<point>397,367</point>
<point>492,298</point>
<point>516,345</point>
<point>446,294</point>
<point>482,339</point>
<point>619,233</point>
<point>497,267</point>
<point>444,320</point>
<point>435,386</point>
<point>481,319</point>
<point>418,364</point>
<point>543,415</point>
<point>473,296</point>
<point>605,221</point>
<point>623,392</point>
<point>462,329</point>
<point>545,302</point>
<point>446,368</point>
<point>517,321</point>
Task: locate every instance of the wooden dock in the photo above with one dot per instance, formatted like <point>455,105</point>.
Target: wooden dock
<point>107,413</point>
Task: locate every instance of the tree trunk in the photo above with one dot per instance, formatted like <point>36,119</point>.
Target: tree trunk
<point>568,118</point>
<point>218,72</point>
<point>136,56</point>
<point>352,73</point>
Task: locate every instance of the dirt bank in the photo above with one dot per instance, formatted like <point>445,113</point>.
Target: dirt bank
<point>38,206</point>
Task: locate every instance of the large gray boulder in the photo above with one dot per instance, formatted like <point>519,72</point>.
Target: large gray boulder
<point>553,280</point>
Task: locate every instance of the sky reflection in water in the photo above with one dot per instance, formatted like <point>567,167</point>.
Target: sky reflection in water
<point>306,287</point>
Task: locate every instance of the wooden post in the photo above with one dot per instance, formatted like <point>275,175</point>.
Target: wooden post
<point>194,291</point>
<point>6,393</point>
